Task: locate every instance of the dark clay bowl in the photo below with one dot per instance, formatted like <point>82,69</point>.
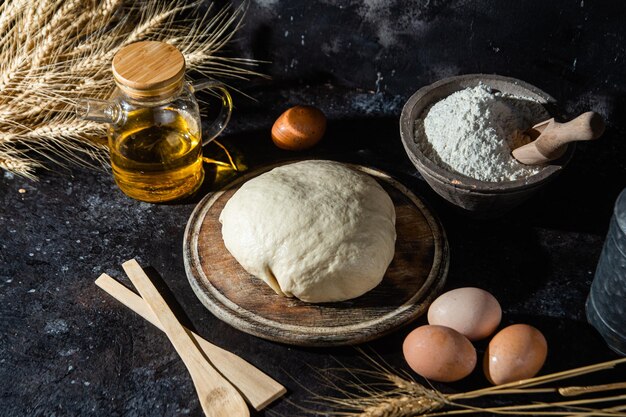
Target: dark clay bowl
<point>480,197</point>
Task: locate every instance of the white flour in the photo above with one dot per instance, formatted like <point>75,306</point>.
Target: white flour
<point>473,131</point>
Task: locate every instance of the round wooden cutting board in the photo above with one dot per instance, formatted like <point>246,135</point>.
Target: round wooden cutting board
<point>415,276</point>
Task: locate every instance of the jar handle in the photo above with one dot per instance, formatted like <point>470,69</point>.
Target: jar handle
<point>227,107</point>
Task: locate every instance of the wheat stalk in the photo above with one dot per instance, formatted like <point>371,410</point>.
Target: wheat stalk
<point>54,52</point>
<point>380,392</point>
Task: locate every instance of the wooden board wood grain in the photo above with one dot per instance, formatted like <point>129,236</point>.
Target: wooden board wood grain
<point>415,276</point>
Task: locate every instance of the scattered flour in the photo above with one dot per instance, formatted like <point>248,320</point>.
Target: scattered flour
<point>473,131</point>
<point>56,326</point>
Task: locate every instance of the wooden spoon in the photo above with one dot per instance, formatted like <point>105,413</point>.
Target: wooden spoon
<point>550,138</point>
<point>257,388</point>
<point>217,396</point>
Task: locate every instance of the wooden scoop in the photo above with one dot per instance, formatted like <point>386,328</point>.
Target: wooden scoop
<point>550,138</point>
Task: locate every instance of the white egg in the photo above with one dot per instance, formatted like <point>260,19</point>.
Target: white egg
<point>473,312</point>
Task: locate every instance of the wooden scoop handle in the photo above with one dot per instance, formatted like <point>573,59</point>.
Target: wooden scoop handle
<point>552,138</point>
<point>555,136</point>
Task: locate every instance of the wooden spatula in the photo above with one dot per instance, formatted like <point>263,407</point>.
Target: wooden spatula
<point>257,388</point>
<point>550,138</point>
<point>217,396</point>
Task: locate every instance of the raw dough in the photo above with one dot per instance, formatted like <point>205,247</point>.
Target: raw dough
<point>316,230</point>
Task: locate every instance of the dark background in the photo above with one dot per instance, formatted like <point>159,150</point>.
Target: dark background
<point>68,349</point>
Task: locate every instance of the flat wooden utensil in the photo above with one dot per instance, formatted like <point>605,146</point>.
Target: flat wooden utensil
<point>550,138</point>
<point>257,388</point>
<point>217,396</point>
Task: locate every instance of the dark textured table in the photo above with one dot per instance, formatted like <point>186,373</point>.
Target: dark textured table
<point>68,349</point>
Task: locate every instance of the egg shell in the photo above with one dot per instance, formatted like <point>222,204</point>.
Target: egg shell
<point>473,312</point>
<point>516,352</point>
<point>439,353</point>
<point>299,128</point>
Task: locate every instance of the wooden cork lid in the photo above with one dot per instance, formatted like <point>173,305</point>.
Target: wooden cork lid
<point>148,69</point>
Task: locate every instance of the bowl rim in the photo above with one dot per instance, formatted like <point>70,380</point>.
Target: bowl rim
<point>458,180</point>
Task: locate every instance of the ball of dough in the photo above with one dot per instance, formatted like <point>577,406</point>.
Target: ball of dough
<point>315,230</point>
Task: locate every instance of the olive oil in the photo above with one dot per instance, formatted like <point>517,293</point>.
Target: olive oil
<point>154,123</point>
<point>157,154</point>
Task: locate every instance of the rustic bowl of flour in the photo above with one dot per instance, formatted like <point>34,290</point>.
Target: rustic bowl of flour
<point>459,133</point>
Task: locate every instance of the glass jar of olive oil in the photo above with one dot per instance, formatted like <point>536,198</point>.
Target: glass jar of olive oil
<point>155,134</point>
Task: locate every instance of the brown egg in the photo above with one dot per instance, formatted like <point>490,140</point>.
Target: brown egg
<point>299,128</point>
<point>473,312</point>
<point>516,352</point>
<point>439,353</point>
